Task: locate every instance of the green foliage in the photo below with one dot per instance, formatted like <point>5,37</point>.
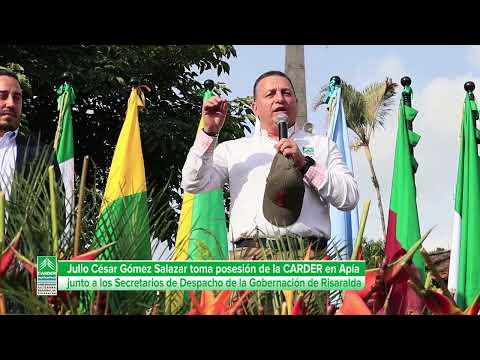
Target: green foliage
<point>373,252</point>
<point>29,210</point>
<point>289,248</point>
<point>241,108</point>
<point>101,78</point>
<point>23,79</point>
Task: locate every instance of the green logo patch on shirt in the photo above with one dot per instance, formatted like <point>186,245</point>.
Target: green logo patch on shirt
<point>308,150</point>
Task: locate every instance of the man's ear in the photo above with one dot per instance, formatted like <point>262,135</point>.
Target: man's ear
<point>254,107</point>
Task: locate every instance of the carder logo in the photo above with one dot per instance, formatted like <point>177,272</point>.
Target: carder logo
<point>47,263</point>
<point>46,275</point>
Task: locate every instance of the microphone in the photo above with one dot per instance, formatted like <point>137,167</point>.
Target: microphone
<point>282,122</point>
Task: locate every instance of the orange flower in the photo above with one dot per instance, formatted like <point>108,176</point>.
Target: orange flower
<point>6,258</point>
<point>91,255</point>
<point>370,277</point>
<point>298,307</point>
<point>211,305</point>
<point>439,304</point>
<point>353,304</point>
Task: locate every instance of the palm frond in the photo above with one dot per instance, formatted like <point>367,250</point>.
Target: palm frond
<point>364,110</point>
<point>378,101</point>
<point>320,98</point>
<point>29,209</point>
<point>354,106</point>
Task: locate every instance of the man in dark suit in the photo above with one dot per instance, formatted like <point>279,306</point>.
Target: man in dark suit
<point>20,156</point>
<point>11,101</point>
<point>17,152</point>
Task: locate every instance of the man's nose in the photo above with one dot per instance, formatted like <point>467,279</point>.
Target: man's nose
<point>10,102</point>
<point>279,96</point>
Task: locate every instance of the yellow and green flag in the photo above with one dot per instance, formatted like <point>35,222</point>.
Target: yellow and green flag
<point>202,231</point>
<point>123,214</point>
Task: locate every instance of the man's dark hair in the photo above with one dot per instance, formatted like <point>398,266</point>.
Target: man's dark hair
<point>5,72</point>
<point>271,73</point>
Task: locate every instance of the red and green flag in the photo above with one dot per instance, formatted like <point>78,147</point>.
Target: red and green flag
<point>464,271</point>
<point>403,225</point>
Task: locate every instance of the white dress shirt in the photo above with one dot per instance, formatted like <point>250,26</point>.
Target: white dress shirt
<point>245,164</point>
<point>8,157</point>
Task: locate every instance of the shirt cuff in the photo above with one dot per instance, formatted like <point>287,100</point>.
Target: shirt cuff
<point>316,176</point>
<point>204,144</point>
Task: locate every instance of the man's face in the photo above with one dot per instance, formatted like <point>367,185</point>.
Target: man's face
<point>274,95</point>
<point>10,104</point>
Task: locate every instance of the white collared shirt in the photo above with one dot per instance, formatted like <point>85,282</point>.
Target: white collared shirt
<point>245,164</point>
<point>8,158</point>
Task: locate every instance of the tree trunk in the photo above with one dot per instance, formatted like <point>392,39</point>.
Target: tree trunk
<point>368,154</point>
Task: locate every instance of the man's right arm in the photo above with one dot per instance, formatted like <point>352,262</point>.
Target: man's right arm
<point>204,168</point>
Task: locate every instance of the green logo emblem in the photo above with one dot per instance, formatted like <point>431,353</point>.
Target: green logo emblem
<point>308,150</point>
<point>48,263</point>
<point>47,275</point>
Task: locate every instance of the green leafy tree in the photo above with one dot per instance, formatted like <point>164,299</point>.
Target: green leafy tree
<point>101,78</point>
<point>373,252</point>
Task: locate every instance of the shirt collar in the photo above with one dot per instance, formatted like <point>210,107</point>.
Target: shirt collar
<point>9,137</point>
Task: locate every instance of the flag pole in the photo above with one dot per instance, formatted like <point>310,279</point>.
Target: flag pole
<point>78,223</point>
<point>334,82</point>
<point>53,208</point>
<point>407,94</point>
<point>407,101</point>
<point>469,87</point>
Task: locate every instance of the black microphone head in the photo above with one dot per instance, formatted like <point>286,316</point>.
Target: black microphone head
<point>281,118</point>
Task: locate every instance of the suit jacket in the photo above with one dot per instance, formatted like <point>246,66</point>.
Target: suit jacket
<point>34,156</point>
<point>29,152</point>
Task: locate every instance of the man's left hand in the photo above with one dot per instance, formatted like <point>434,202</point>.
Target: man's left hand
<point>288,147</point>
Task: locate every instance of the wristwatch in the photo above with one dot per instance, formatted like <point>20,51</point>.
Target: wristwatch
<point>308,162</point>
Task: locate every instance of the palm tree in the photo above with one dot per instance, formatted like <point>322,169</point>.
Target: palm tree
<point>366,110</point>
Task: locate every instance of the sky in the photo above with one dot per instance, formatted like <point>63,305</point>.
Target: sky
<point>438,74</point>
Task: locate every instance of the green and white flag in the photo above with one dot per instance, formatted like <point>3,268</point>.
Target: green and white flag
<point>464,272</point>
<point>64,149</point>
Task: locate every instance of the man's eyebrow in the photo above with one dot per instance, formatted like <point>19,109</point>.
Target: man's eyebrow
<point>15,93</point>
<point>286,88</point>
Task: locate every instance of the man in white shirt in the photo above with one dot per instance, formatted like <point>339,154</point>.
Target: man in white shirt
<point>245,164</point>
